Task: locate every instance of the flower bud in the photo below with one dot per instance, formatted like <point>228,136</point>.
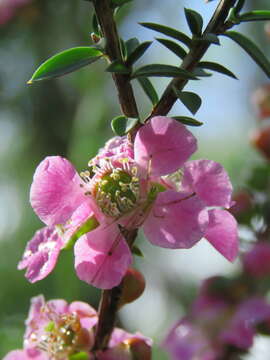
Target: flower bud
<point>243,203</point>
<point>133,286</point>
<point>261,140</point>
<point>139,349</point>
<point>261,101</point>
<point>267,29</point>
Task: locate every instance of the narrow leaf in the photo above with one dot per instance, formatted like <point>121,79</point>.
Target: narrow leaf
<point>89,225</point>
<point>138,52</point>
<point>216,67</point>
<point>175,48</point>
<point>131,45</point>
<point>252,49</point>
<point>148,89</point>
<point>200,72</point>
<point>95,26</point>
<point>121,125</point>
<point>178,35</point>
<point>163,70</point>
<point>195,21</point>
<point>137,251</point>
<point>187,120</point>
<point>66,62</point>
<point>191,100</point>
<point>118,67</point>
<point>256,15</point>
<point>123,48</point>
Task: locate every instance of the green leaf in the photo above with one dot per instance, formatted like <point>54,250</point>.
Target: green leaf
<point>50,326</point>
<point>123,48</point>
<point>137,251</point>
<point>66,62</point>
<point>252,49</point>
<point>191,100</point>
<point>216,67</point>
<point>175,48</point>
<point>138,52</point>
<point>239,6</point>
<point>195,21</point>
<point>200,72</point>
<point>79,356</point>
<point>256,15</point>
<point>118,67</point>
<point>131,45</point>
<point>187,120</point>
<point>211,38</point>
<point>148,89</point>
<point>163,70</point>
<point>121,125</point>
<point>89,225</point>
<point>178,35</point>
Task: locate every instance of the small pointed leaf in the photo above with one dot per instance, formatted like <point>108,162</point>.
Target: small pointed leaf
<point>195,21</point>
<point>137,251</point>
<point>89,225</point>
<point>65,62</point>
<point>175,48</point>
<point>131,45</point>
<point>138,52</point>
<point>148,89</point>
<point>161,70</point>
<point>95,26</point>
<point>178,35</point>
<point>187,120</point>
<point>191,100</point>
<point>252,49</point>
<point>79,356</point>
<point>121,125</point>
<point>118,67</point>
<point>239,6</point>
<point>200,72</point>
<point>216,67</point>
<point>256,15</point>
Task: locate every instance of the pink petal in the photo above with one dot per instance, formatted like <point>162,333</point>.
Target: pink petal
<point>188,342</point>
<point>82,220</point>
<point>87,314</point>
<point>55,192</point>
<point>163,145</point>
<point>257,260</point>
<point>25,355</point>
<point>41,254</point>
<point>57,306</point>
<point>210,182</point>
<point>222,233</point>
<point>175,221</point>
<point>241,330</point>
<point>102,257</point>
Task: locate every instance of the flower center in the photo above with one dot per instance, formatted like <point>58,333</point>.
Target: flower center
<point>63,337</point>
<point>117,192</point>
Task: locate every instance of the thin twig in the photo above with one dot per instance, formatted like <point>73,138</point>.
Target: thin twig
<point>122,81</point>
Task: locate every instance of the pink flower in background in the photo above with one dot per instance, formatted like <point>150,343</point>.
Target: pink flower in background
<point>56,330</point>
<point>217,320</point>
<point>149,184</point>
<point>257,261</point>
<point>8,9</point>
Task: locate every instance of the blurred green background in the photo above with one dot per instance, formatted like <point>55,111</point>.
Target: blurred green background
<point>71,117</point>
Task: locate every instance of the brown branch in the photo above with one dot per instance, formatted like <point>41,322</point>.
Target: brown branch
<point>190,62</point>
<point>108,306</point>
<point>122,81</point>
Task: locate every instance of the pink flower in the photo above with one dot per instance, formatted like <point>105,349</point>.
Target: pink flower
<point>218,319</point>
<point>57,330</point>
<point>8,9</point>
<point>149,184</point>
<point>257,260</point>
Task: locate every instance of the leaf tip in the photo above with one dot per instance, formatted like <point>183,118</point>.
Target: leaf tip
<point>29,82</point>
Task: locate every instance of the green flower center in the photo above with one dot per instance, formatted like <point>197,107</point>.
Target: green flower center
<point>117,192</point>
